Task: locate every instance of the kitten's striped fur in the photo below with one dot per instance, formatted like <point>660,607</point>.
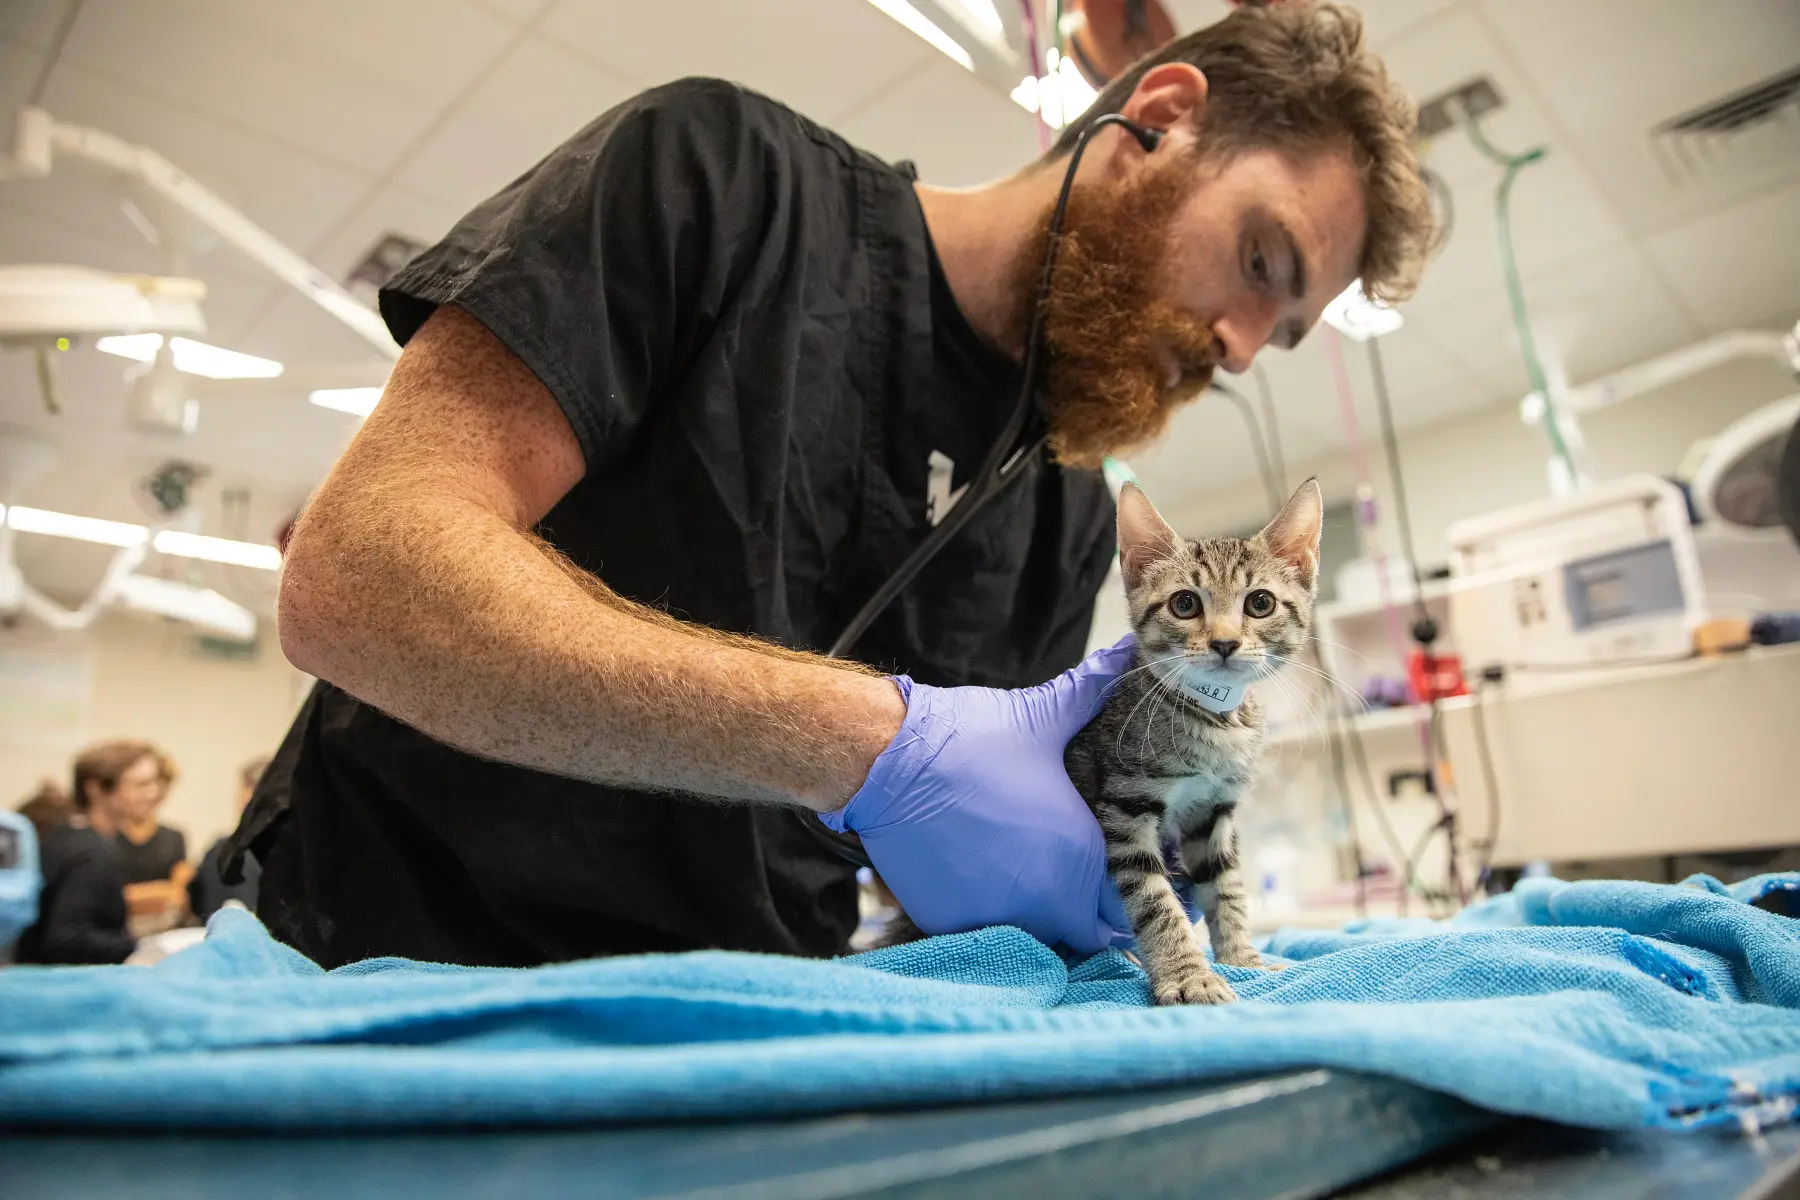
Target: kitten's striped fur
<point>1159,769</point>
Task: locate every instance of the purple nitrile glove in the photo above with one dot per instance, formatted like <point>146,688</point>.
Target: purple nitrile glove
<point>971,819</point>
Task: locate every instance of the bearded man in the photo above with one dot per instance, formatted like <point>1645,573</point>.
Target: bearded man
<point>674,404</point>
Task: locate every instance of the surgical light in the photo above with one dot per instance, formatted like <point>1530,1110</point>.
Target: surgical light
<point>922,25</point>
<point>358,401</point>
<point>191,357</point>
<point>1355,314</point>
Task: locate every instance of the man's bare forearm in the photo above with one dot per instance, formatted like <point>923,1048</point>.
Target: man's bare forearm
<point>412,582</point>
<point>474,633</point>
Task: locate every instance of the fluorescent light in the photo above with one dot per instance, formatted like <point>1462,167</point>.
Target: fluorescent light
<point>121,533</point>
<point>922,25</point>
<point>1357,315</point>
<point>981,19</point>
<point>141,347</point>
<point>194,358</point>
<point>219,550</point>
<point>82,529</point>
<point>1063,94</point>
<point>357,401</point>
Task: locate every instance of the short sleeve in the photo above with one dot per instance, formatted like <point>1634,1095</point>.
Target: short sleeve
<point>604,266</point>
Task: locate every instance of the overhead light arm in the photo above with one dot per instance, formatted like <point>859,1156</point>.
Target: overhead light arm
<point>39,137</point>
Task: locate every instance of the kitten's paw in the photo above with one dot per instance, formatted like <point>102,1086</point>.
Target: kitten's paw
<point>1193,983</point>
<point>1244,956</point>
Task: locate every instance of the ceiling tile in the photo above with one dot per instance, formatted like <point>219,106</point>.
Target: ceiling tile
<point>1681,55</point>
<point>540,95</point>
<point>31,22</point>
<point>18,72</point>
<point>292,195</point>
<point>291,329</point>
<point>394,209</point>
<point>1600,311</point>
<point>959,131</point>
<point>1555,210</point>
<point>522,12</point>
<point>1457,46</point>
<point>820,57</point>
<point>324,76</point>
<point>1738,266</point>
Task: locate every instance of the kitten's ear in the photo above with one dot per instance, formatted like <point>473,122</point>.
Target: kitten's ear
<point>1144,537</point>
<point>1294,533</point>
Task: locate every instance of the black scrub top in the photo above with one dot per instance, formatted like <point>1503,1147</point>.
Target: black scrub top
<point>744,321</point>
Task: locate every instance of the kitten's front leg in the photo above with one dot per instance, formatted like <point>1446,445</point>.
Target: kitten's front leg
<point>1179,972</point>
<point>1209,851</point>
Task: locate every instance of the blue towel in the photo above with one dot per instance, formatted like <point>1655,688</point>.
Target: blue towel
<point>1605,1004</point>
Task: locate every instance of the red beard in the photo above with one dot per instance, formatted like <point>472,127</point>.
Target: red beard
<point>1106,330</point>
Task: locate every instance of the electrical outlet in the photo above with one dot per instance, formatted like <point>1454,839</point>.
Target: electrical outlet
<point>1440,114</point>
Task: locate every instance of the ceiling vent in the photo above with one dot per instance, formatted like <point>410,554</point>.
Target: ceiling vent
<point>1717,135</point>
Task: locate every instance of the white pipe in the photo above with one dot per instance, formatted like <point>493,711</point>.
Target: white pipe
<point>1682,364</point>
<point>38,135</point>
<point>65,620</point>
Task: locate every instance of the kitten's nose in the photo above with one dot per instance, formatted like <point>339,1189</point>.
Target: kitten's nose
<point>1224,647</point>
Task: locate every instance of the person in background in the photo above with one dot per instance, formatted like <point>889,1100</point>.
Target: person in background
<point>130,780</point>
<point>81,911</point>
<point>207,892</point>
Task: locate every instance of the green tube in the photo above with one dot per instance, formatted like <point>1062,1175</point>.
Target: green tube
<point>1515,287</point>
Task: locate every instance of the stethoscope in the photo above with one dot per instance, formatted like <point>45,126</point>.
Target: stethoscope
<point>1010,451</point>
<point>1014,447</point>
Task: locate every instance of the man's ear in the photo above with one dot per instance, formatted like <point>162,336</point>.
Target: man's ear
<point>1144,537</point>
<point>1170,96</point>
<point>1294,533</point>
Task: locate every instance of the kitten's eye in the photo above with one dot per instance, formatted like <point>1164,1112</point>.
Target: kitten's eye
<point>1259,603</point>
<point>1185,605</point>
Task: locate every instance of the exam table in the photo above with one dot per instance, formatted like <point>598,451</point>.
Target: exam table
<point>1306,1133</point>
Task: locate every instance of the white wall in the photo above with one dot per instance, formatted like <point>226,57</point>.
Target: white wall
<point>132,676</point>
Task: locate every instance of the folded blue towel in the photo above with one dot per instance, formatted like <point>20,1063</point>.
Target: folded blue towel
<point>1605,1004</point>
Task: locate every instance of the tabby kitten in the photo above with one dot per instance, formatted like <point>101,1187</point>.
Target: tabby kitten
<point>1167,758</point>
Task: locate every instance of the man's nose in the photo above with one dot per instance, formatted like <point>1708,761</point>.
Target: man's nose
<point>1225,647</point>
<point>1242,333</point>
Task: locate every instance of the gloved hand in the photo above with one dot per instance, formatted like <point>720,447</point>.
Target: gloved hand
<point>971,818</point>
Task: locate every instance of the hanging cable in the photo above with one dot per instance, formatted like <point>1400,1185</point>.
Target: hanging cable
<point>1509,268</point>
<point>1257,447</point>
<point>1440,191</point>
<point>1271,425</point>
<point>1489,780</point>
<point>1424,627</point>
<point>1396,853</point>
<point>54,54</point>
<point>1340,779</point>
<point>1428,727</point>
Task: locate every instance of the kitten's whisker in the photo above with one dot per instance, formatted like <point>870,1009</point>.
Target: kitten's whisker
<point>1325,675</point>
<point>1319,641</point>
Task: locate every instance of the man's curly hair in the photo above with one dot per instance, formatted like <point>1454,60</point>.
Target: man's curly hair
<point>1297,77</point>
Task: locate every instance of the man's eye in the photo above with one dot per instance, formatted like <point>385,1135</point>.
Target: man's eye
<point>1259,603</point>
<point>1185,605</point>
<point>1259,266</point>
